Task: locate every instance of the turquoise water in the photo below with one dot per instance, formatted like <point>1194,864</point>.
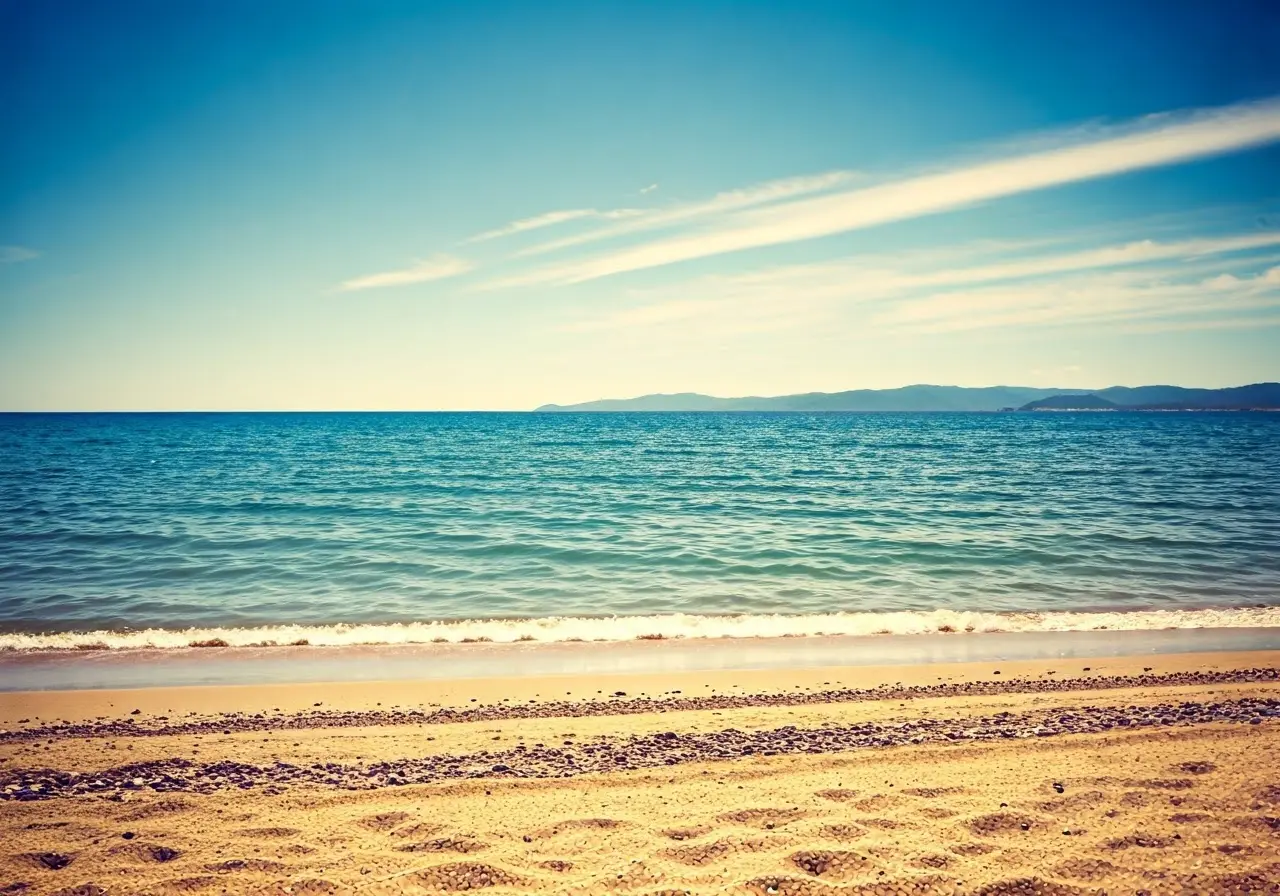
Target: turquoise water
<point>123,529</point>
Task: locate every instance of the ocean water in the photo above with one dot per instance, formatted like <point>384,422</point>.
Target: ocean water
<point>126,530</point>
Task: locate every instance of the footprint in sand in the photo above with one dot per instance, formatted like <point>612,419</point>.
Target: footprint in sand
<point>932,793</point>
<point>261,866</point>
<point>877,803</point>
<point>459,876</point>
<point>932,860</point>
<point>417,829</point>
<point>686,833</point>
<point>836,794</point>
<point>1085,869</point>
<point>764,818</point>
<point>830,864</point>
<point>269,833</point>
<point>147,852</point>
<point>842,832</point>
<point>998,823</point>
<point>1139,840</point>
<point>444,844</point>
<point>701,854</point>
<point>383,821</point>
<point>1196,768</point>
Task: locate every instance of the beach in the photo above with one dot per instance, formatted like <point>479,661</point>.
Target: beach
<point>1152,773</point>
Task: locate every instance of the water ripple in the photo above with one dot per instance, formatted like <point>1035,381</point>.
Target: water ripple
<point>176,522</point>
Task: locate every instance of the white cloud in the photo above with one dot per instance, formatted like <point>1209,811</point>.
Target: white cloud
<point>729,201</point>
<point>1084,299</point>
<point>550,219</point>
<point>925,290</point>
<point>438,267</point>
<point>1222,282</point>
<point>648,189</point>
<point>15,254</point>
<point>1149,142</point>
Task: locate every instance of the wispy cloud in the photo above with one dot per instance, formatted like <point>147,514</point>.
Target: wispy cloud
<point>913,291</point>
<point>691,212</point>
<point>913,271</point>
<point>648,189</point>
<point>15,254</point>
<point>1098,298</point>
<point>1044,162</point>
<point>438,267</point>
<point>550,219</point>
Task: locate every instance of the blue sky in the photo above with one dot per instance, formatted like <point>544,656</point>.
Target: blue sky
<point>494,205</point>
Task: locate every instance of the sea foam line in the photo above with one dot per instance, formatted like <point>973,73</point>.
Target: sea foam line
<point>655,627</point>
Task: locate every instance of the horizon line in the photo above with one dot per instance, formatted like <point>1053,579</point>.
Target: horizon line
<point>1065,389</point>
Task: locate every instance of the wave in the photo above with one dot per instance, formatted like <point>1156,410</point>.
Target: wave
<point>657,628</point>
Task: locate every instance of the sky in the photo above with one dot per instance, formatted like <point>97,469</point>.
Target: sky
<point>485,205</point>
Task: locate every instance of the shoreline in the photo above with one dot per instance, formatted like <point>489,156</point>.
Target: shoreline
<point>234,709</point>
<point>140,668</point>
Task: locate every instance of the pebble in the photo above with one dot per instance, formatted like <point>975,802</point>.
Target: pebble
<point>638,751</point>
<point>229,723</point>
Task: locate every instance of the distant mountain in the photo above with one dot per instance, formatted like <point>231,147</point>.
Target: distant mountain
<point>1070,403</point>
<point>1260,396</point>
<point>1164,398</point>
<point>907,398</point>
<point>946,398</point>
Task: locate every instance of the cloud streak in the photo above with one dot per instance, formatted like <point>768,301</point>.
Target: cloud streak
<point>15,254</point>
<point>1150,142</point>
<point>438,267</point>
<point>550,219</point>
<point>729,201</point>
<point>911,292</point>
<point>1097,298</point>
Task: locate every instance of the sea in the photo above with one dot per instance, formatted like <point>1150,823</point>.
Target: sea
<point>163,531</point>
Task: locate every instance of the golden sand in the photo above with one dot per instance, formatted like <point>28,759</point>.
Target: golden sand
<point>1165,809</point>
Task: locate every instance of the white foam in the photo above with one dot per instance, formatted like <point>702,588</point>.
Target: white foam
<point>628,628</point>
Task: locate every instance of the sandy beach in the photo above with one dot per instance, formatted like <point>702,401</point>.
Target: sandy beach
<point>1120,775</point>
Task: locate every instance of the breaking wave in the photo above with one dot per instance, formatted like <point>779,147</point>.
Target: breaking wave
<point>654,627</point>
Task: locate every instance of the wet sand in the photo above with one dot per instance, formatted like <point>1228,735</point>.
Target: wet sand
<point>1132,774</point>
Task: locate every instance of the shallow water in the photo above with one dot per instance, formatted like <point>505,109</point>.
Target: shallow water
<point>227,523</point>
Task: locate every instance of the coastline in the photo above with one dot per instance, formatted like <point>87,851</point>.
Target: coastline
<point>1059,775</point>
<point>137,668</point>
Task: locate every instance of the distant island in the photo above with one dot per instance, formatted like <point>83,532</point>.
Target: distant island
<point>1258,396</point>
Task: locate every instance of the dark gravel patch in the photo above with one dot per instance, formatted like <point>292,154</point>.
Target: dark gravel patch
<point>618,705</point>
<point>636,752</point>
